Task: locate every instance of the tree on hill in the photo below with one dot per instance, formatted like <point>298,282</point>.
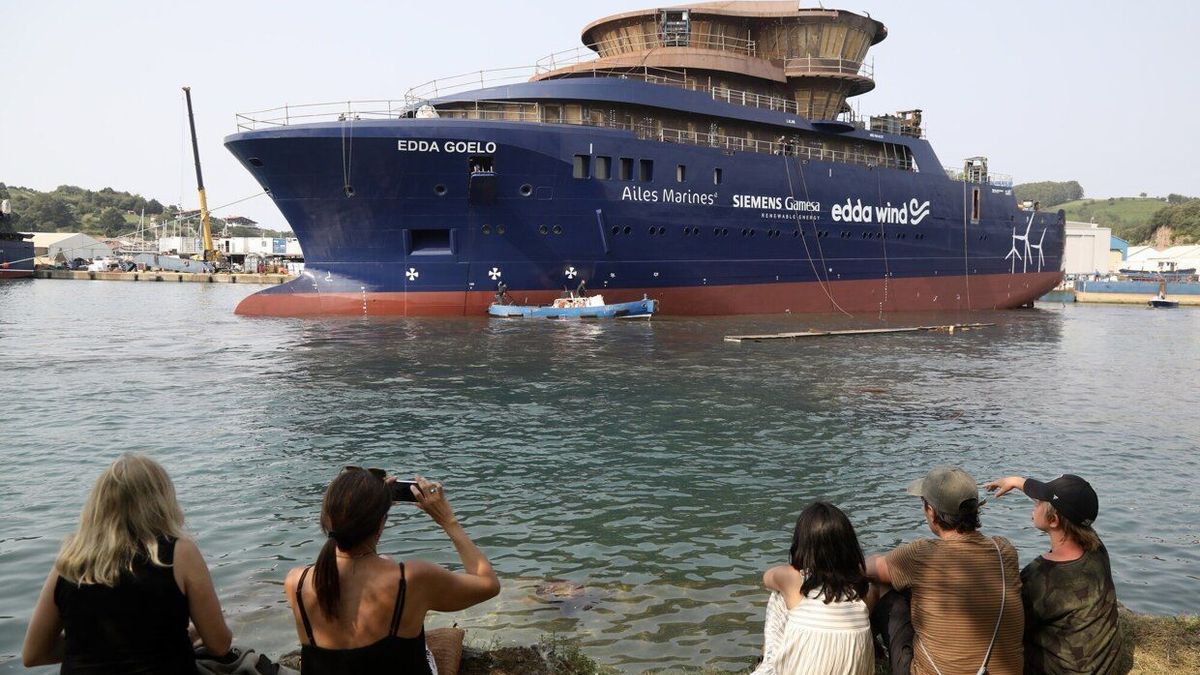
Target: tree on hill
<point>1178,199</point>
<point>1049,193</point>
<point>49,213</point>
<point>111,221</point>
<point>1183,219</point>
<point>153,207</point>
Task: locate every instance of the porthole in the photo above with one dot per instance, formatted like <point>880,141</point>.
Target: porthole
<point>440,189</point>
<point>687,231</point>
<point>652,230</point>
<point>795,233</point>
<point>751,232</point>
<point>724,231</point>
<point>254,161</point>
<point>627,229</point>
<point>499,229</point>
<point>558,229</point>
<point>542,229</point>
<point>526,190</point>
<point>745,231</point>
<point>487,229</point>
<point>616,229</point>
<point>716,231</point>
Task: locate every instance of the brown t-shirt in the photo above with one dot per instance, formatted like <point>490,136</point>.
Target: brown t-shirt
<point>956,589</point>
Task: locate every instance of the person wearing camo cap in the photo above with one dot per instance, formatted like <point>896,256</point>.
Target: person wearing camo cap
<point>1068,593</point>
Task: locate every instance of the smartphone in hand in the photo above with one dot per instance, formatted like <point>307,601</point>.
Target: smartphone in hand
<point>402,492</point>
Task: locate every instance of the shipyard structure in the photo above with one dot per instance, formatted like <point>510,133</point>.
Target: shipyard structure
<point>704,156</point>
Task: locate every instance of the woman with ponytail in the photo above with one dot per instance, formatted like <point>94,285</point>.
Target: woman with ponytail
<point>126,584</point>
<point>359,612</point>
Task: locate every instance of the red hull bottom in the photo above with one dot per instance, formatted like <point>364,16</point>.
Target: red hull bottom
<point>949,293</point>
<point>15,274</point>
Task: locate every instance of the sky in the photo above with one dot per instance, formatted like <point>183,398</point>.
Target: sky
<point>1102,92</point>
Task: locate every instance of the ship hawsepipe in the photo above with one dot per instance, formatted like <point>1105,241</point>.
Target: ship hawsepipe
<point>758,211</point>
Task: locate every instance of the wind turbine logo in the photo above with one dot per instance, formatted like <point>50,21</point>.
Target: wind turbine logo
<point>1015,254</point>
<point>1038,247</point>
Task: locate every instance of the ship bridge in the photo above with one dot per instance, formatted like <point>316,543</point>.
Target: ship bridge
<point>812,57</point>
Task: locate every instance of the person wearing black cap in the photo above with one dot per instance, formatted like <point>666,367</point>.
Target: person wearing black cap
<point>1068,593</point>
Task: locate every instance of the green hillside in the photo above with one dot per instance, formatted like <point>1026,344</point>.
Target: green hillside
<point>104,213</point>
<point>1129,217</point>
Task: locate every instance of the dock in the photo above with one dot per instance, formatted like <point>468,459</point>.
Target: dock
<point>175,277</point>
<point>949,328</point>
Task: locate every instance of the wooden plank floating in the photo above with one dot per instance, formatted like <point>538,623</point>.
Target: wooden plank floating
<point>950,328</point>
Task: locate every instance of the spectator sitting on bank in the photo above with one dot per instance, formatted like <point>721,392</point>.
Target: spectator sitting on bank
<point>359,612</point>
<point>126,583</point>
<point>954,603</point>
<point>817,619</point>
<point>1069,597</point>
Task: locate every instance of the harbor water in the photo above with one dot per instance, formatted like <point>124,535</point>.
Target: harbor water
<point>653,467</point>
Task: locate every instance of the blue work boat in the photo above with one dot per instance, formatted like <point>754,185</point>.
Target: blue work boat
<point>578,307</point>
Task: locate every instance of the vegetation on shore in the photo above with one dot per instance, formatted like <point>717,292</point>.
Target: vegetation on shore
<point>1167,221</point>
<point>1161,645</point>
<point>103,213</point>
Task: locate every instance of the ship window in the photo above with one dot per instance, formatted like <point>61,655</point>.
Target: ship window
<point>680,173</point>
<point>582,166</point>
<point>716,176</point>
<point>626,169</point>
<point>645,170</point>
<point>974,205</point>
<point>604,168</point>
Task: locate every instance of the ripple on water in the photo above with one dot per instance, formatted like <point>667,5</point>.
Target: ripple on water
<point>651,464</point>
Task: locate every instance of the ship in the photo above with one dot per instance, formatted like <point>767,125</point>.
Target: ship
<point>705,156</point>
<point>16,248</point>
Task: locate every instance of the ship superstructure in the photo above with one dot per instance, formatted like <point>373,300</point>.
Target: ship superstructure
<point>704,156</point>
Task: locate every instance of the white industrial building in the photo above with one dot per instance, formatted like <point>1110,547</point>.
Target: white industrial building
<point>1148,259</point>
<point>235,246</point>
<point>61,246</point>
<point>1088,249</point>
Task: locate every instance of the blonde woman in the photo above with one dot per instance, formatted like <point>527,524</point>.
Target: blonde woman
<point>126,583</point>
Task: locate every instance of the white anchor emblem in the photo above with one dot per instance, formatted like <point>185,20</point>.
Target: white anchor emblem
<point>571,272</point>
<point>412,274</point>
<point>494,273</point>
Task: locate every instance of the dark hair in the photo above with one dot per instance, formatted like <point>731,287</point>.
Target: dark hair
<point>354,505</point>
<point>963,522</point>
<point>825,549</point>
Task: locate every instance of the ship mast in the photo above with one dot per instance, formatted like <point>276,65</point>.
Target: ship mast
<point>210,253</point>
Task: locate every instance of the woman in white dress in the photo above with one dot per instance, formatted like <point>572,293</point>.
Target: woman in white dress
<point>818,622</point>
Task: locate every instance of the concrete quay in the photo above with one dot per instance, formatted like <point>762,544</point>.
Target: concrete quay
<point>175,277</point>
<point>1132,298</point>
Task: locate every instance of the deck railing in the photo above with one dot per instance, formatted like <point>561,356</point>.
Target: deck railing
<point>423,93</point>
<point>635,43</point>
<point>511,111</point>
<point>1000,180</point>
<point>829,66</point>
<point>335,111</point>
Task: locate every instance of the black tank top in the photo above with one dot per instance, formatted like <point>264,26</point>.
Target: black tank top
<point>391,654</point>
<point>138,626</point>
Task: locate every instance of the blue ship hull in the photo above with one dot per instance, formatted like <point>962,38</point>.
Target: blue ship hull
<point>16,256</point>
<point>393,220</point>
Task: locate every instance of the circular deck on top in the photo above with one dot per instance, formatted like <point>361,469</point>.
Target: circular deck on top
<point>810,55</point>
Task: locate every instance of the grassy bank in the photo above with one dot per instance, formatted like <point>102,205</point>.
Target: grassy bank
<point>1161,645</point>
<point>1129,217</point>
